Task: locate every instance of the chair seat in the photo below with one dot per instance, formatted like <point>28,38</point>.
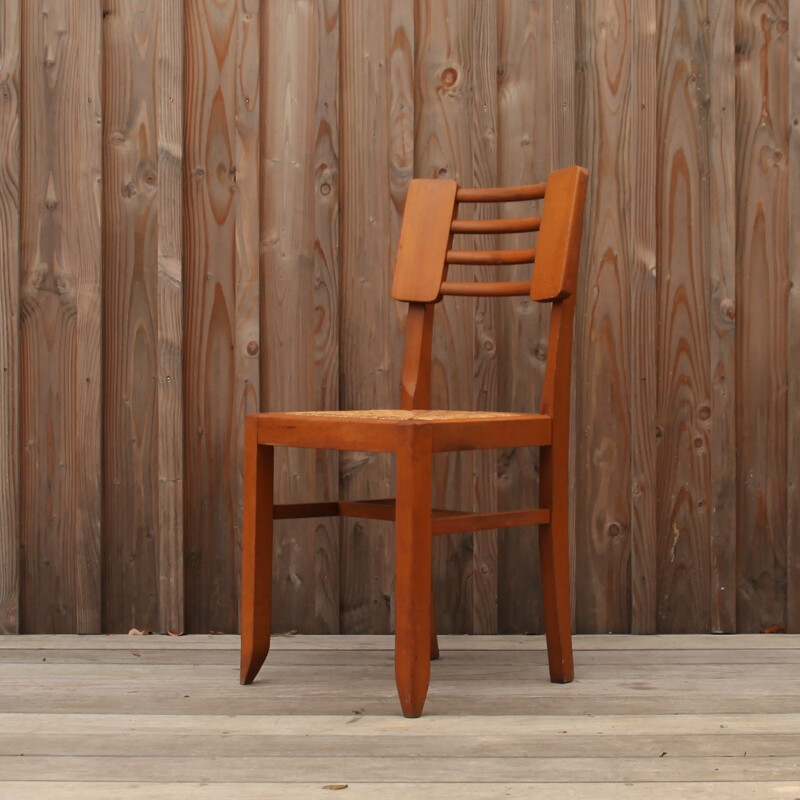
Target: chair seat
<point>376,430</point>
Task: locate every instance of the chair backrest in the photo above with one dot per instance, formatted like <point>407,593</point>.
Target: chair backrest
<point>425,251</point>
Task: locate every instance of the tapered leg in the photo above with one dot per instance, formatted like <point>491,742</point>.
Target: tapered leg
<point>256,554</point>
<point>554,559</point>
<point>413,567</point>
<point>434,638</point>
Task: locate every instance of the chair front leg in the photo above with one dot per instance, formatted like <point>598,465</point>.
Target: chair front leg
<point>413,589</point>
<point>256,554</point>
<point>554,560</point>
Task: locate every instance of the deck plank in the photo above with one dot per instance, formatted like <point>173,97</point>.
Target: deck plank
<point>356,768</point>
<point>647,717</point>
<point>65,790</point>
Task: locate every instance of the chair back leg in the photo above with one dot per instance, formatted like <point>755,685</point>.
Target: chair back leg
<point>554,561</point>
<point>256,554</point>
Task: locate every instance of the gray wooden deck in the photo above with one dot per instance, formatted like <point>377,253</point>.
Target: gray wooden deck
<point>161,717</point>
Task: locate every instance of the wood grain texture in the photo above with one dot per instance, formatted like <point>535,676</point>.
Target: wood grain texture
<point>169,124</point>
<point>684,359</point>
<point>495,727</point>
<point>377,152</point>
<point>524,155</point>
<point>401,148</point>
<point>60,316</point>
<point>642,245</point>
<point>445,83</point>
<point>564,118</point>
<point>684,112</point>
<point>602,421</point>
<point>221,281</point>
<point>720,244</point>
<point>130,330</point>
<point>299,252</point>
<point>793,353</point>
<point>247,184</point>
<point>10,41</point>
<point>486,312</point>
<point>326,304</point>
<point>762,286</point>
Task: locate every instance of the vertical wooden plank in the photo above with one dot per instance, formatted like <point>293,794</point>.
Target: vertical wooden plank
<point>326,306</point>
<point>10,39</point>
<point>486,311</point>
<point>443,148</point>
<point>209,309</point>
<point>602,420</point>
<point>221,336</point>
<point>563,20</point>
<point>246,170</point>
<point>793,354</point>
<point>402,125</point>
<point>376,156</point>
<point>762,286</point>
<point>401,147</point>
<point>299,253</point>
<point>564,70</point>
<point>524,155</point>
<point>60,316</point>
<point>641,190</point>
<point>684,359</point>
<point>130,331</point>
<point>169,125</point>
<point>720,232</point>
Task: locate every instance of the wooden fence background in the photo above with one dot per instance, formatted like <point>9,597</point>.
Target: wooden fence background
<point>199,206</point>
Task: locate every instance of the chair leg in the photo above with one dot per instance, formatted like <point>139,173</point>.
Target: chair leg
<point>256,555</point>
<point>554,559</point>
<point>434,637</point>
<point>413,567</point>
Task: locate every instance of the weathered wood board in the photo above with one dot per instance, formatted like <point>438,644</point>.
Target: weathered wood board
<point>200,202</point>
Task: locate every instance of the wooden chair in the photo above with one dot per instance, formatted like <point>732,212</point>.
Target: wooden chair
<point>414,434</point>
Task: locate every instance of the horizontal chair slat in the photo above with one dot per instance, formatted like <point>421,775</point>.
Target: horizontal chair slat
<point>464,522</point>
<point>515,225</point>
<point>486,289</point>
<point>526,256</point>
<point>509,194</point>
<point>444,521</point>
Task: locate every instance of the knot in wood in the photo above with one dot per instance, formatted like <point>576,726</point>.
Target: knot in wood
<point>728,308</point>
<point>449,77</point>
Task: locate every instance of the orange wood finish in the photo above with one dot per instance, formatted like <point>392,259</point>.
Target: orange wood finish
<point>414,433</point>
<point>479,257</point>
<point>516,225</point>
<point>486,288</point>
